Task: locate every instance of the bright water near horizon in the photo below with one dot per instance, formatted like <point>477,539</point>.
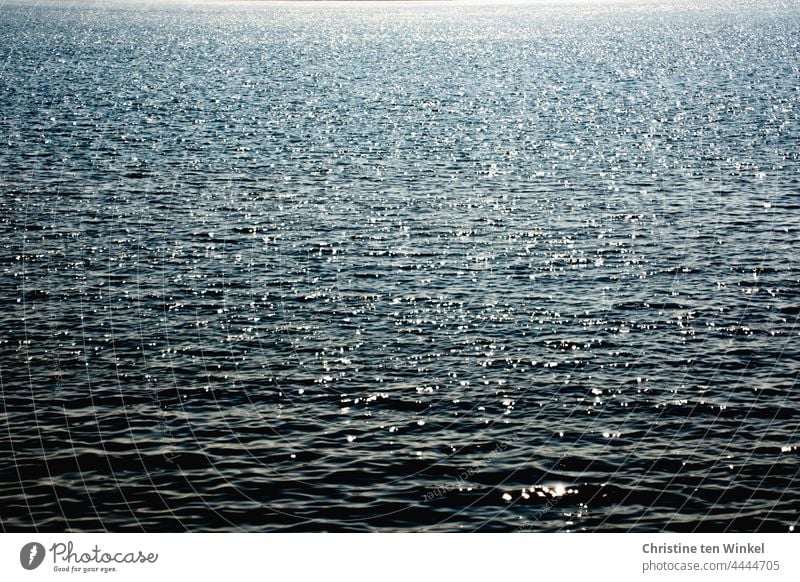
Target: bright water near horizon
<point>427,267</point>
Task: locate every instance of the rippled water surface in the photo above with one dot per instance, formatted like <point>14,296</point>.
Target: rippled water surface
<point>381,266</point>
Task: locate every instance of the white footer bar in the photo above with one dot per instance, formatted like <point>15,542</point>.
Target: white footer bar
<point>398,557</point>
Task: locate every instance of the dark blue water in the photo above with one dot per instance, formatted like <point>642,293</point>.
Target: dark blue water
<point>381,266</point>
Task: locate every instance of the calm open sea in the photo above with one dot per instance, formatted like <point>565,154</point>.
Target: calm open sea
<point>399,266</point>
